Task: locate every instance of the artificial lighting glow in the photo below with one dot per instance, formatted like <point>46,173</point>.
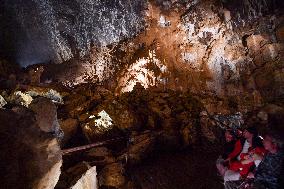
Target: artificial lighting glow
<point>139,72</point>
<point>104,121</point>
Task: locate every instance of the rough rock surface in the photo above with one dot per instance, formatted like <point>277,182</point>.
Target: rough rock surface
<point>185,76</point>
<point>46,116</point>
<point>101,156</point>
<point>88,180</point>
<point>140,147</point>
<point>69,128</point>
<point>2,102</point>
<point>20,98</point>
<point>52,30</point>
<point>29,157</point>
<point>112,175</point>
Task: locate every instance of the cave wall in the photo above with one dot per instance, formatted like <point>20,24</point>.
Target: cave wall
<point>232,49</point>
<point>46,30</point>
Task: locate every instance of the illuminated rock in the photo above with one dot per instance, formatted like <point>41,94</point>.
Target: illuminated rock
<point>2,102</point>
<point>145,71</point>
<point>21,98</point>
<point>46,34</point>
<point>88,180</point>
<point>45,92</point>
<point>98,126</point>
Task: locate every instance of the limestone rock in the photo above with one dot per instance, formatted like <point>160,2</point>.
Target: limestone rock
<point>21,98</point>
<point>76,104</point>
<point>73,174</point>
<point>2,102</point>
<point>112,175</point>
<point>140,147</point>
<point>98,126</point>
<point>100,156</point>
<point>45,92</point>
<point>46,116</point>
<point>88,180</point>
<point>29,157</point>
<point>160,107</point>
<point>122,117</point>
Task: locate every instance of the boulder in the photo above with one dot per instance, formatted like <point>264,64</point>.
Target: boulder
<point>20,98</point>
<point>46,116</point>
<point>112,175</point>
<point>98,126</point>
<point>29,158</point>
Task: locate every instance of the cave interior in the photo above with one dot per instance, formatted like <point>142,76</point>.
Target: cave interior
<point>117,94</point>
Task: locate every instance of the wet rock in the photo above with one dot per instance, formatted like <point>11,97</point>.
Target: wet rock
<point>2,102</point>
<point>69,128</point>
<point>20,98</point>
<point>38,153</point>
<point>112,175</point>
<point>46,116</point>
<point>233,121</point>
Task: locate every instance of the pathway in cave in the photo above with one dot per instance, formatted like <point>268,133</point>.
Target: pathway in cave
<point>186,170</point>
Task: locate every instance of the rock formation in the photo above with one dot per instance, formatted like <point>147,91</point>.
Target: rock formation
<point>30,158</point>
<point>143,75</point>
